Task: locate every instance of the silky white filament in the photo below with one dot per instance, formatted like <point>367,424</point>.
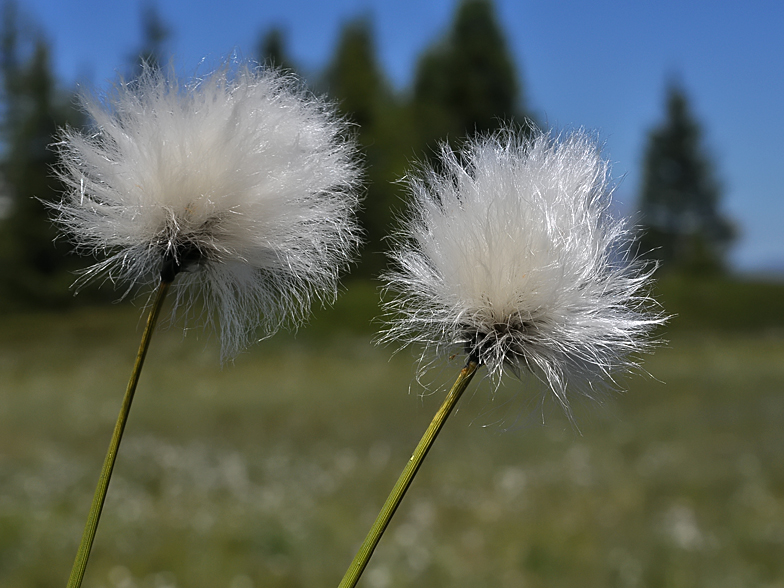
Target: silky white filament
<point>508,252</point>
<point>241,183</point>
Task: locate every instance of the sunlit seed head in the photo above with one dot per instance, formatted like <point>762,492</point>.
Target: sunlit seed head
<point>509,253</point>
<point>240,183</point>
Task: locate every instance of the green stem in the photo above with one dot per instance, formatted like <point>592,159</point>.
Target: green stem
<point>406,477</point>
<point>77,572</point>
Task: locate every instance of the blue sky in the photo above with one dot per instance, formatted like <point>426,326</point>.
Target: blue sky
<point>599,64</point>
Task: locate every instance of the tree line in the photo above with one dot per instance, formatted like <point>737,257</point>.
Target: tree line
<point>465,82</point>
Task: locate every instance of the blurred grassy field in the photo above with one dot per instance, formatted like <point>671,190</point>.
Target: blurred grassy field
<point>269,472</point>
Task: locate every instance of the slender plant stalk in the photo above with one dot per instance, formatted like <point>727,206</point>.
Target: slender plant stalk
<point>77,572</point>
<point>406,477</point>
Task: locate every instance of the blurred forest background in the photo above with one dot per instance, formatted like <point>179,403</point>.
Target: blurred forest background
<point>465,82</point>
<point>224,479</point>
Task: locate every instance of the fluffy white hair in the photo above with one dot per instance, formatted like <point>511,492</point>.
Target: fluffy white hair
<point>240,181</point>
<point>509,253</point>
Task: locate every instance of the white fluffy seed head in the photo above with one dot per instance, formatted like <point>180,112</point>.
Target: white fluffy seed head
<point>509,253</point>
<point>242,182</point>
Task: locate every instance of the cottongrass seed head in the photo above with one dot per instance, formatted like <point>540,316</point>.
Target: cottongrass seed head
<point>240,182</point>
<point>509,253</point>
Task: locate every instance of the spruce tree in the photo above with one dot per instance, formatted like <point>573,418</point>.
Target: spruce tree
<point>35,269</point>
<point>354,77</point>
<point>467,82</point>
<point>155,38</point>
<point>271,50</point>
<point>680,195</point>
<point>356,82</point>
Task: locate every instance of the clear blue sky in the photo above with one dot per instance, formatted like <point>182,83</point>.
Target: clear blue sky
<point>599,64</point>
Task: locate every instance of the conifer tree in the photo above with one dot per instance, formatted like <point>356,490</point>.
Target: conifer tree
<point>271,50</point>
<point>355,80</point>
<point>35,268</point>
<point>155,37</point>
<point>467,82</point>
<point>680,195</point>
<point>354,77</point>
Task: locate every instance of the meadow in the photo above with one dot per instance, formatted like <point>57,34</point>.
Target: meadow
<point>268,472</point>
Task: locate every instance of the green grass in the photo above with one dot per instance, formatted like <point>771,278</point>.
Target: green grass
<point>269,472</point>
<point>721,304</point>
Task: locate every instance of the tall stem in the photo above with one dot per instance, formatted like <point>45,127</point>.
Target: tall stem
<point>82,555</point>
<point>406,477</point>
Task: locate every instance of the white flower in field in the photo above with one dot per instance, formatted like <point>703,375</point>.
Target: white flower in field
<point>241,182</point>
<point>509,253</point>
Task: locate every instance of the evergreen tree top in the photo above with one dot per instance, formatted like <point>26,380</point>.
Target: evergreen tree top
<point>680,195</point>
<point>468,81</point>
